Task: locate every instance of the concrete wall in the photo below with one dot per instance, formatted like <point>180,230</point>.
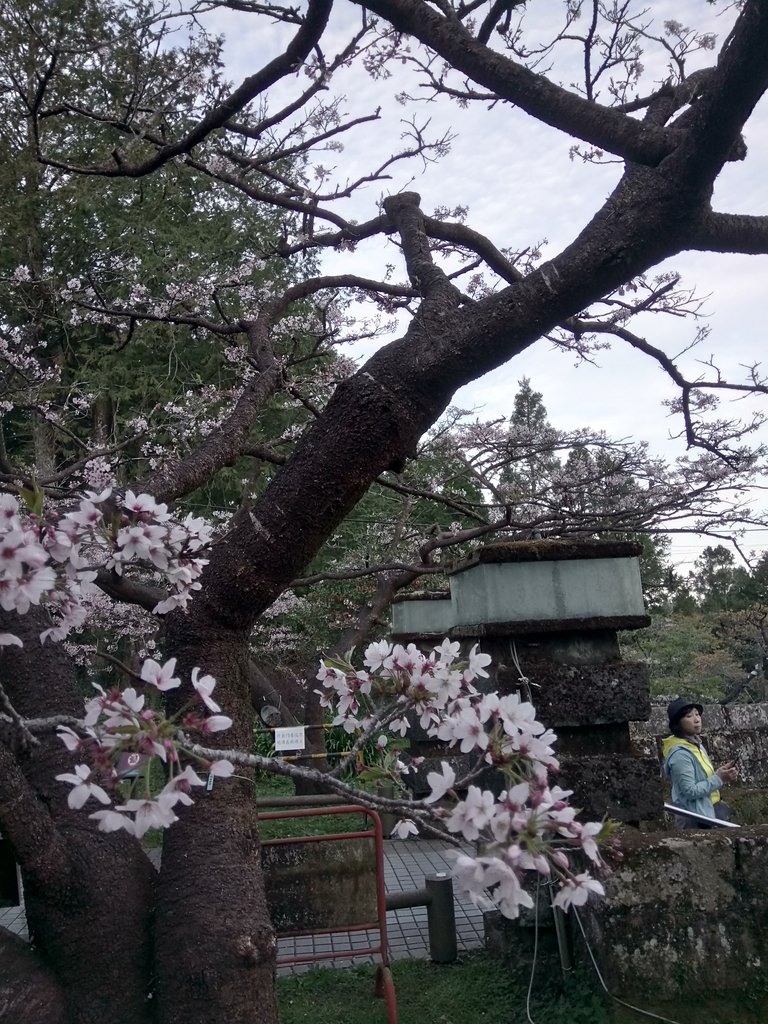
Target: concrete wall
<point>547,591</point>
<point>429,615</point>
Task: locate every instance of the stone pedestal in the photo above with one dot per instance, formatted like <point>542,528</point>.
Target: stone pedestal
<point>547,613</point>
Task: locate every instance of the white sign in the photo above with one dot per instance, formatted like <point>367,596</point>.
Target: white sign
<point>290,737</point>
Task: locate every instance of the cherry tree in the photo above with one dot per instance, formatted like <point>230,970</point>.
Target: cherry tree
<point>196,937</point>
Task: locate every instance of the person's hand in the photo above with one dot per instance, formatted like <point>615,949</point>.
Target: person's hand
<point>728,772</point>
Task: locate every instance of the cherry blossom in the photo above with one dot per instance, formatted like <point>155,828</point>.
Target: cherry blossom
<point>440,782</point>
<point>377,655</point>
<point>216,723</point>
<point>161,676</point>
<point>149,813</point>
<point>405,828</point>
<point>53,559</point>
<point>478,662</point>
<point>204,685</point>
<point>585,834</point>
<point>112,820</point>
<point>83,788</point>
<point>470,816</point>
<point>529,827</point>
<point>118,722</point>
<point>575,891</point>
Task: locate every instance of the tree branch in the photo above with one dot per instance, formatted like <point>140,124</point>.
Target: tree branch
<point>308,35</point>
<point>730,232</point>
<point>601,126</point>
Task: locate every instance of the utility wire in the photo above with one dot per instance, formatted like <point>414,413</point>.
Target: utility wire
<point>630,1006</point>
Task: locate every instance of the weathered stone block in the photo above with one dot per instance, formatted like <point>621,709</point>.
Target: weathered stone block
<point>528,940</point>
<point>581,695</point>
<point>621,787</point>
<point>684,921</point>
<point>330,884</point>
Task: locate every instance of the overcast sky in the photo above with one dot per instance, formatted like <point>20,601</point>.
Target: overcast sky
<point>521,187</point>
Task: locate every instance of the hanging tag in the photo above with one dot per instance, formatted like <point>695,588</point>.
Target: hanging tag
<point>290,737</point>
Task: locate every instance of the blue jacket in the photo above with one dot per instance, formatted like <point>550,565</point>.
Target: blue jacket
<point>692,785</point>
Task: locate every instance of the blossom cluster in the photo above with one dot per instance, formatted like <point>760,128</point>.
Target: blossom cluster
<point>121,736</point>
<point>54,558</point>
<point>527,827</point>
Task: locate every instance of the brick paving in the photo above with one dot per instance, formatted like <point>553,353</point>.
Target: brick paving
<point>406,862</point>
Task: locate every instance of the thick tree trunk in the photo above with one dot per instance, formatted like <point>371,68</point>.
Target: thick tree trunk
<point>88,895</point>
<point>215,946</point>
<point>28,988</point>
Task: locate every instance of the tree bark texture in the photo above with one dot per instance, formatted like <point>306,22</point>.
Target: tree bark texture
<point>88,895</point>
<point>198,937</point>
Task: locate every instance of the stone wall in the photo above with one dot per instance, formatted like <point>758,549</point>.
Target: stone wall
<point>683,928</point>
<point>735,730</point>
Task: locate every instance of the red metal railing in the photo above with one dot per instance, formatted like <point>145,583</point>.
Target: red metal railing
<point>384,986</point>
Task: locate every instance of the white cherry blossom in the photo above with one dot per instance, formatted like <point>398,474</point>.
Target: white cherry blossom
<point>216,723</point>
<point>112,820</point>
<point>404,828</point>
<point>440,782</point>
<point>205,685</point>
<point>149,813</point>
<point>161,676</point>
<point>575,891</point>
<point>83,788</point>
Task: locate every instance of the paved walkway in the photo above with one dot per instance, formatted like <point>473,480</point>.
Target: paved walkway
<point>406,864</point>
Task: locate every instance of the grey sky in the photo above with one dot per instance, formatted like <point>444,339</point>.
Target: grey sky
<point>521,187</point>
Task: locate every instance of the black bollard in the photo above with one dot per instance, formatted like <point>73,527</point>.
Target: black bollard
<point>441,918</point>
